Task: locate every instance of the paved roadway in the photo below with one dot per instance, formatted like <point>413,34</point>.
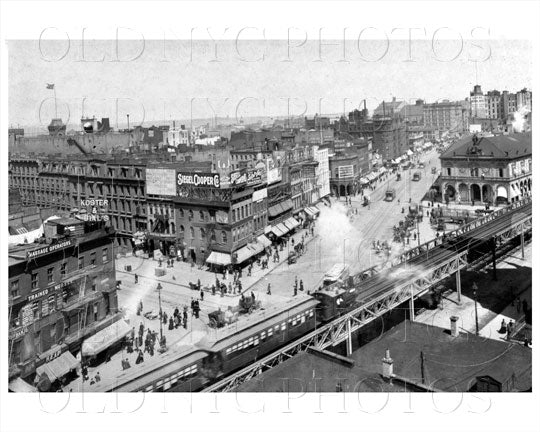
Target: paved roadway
<point>341,238</point>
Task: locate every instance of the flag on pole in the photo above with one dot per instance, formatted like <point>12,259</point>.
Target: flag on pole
<point>50,86</point>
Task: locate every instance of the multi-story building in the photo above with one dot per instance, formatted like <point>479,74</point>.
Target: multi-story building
<point>493,105</point>
<point>178,136</point>
<point>478,103</point>
<point>345,173</point>
<point>447,117</point>
<point>524,99</point>
<point>389,137</point>
<point>494,169</point>
<point>322,173</point>
<point>62,289</point>
<point>390,109</point>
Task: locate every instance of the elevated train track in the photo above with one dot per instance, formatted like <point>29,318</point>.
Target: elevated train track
<point>409,276</point>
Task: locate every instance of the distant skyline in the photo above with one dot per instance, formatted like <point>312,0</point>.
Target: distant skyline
<point>172,79</point>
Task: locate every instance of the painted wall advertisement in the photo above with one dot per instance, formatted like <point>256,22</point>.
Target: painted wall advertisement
<point>345,171</point>
<point>161,181</point>
<point>206,180</point>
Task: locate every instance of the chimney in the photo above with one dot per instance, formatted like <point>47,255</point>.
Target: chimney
<point>454,331</point>
<point>387,365</point>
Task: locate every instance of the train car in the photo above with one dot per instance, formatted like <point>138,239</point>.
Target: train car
<point>334,300</point>
<point>236,348</point>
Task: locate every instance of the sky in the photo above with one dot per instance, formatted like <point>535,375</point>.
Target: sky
<point>158,81</point>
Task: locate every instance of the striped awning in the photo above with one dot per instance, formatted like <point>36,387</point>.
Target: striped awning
<point>262,239</point>
<point>364,180</point>
<point>312,211</point>
<point>244,253</point>
<point>105,338</point>
<point>58,367</point>
<point>218,258</point>
<point>291,223</point>
<point>283,227</point>
<point>277,231</point>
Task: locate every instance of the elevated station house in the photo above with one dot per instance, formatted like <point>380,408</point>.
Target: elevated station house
<point>488,169</point>
<point>62,290</point>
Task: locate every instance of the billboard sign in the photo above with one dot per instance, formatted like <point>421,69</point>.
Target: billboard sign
<point>345,171</point>
<point>160,181</point>
<point>259,195</point>
<point>255,175</point>
<point>198,179</point>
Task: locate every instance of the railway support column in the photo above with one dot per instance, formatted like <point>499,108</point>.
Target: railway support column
<point>349,338</point>
<point>458,285</point>
<point>493,254</point>
<point>411,305</point>
<point>522,243</point>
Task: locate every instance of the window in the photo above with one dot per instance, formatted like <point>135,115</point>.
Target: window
<point>52,303</point>
<point>34,281</point>
<point>52,330</point>
<point>501,172</point>
<point>201,215</point>
<point>105,256</point>
<point>94,283</point>
<point>190,214</point>
<point>181,212</point>
<point>50,274</point>
<point>283,326</point>
<point>14,288</point>
<point>224,236</point>
<point>81,262</point>
<point>449,171</point>
<point>192,232</point>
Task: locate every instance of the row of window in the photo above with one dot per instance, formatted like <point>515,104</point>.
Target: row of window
<point>269,332</point>
<point>242,232</point>
<point>168,382</point>
<point>474,172</point>
<point>241,212</point>
<point>202,233</point>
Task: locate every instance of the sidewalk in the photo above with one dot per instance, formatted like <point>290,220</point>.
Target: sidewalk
<point>183,273</point>
<point>489,321</point>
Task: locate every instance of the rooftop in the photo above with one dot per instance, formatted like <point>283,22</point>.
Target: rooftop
<point>451,364</point>
<point>512,146</point>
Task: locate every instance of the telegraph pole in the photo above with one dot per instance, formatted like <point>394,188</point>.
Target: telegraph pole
<point>475,288</point>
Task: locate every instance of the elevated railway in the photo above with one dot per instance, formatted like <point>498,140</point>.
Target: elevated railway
<point>409,276</point>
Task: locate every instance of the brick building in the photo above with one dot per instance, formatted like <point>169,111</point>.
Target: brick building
<point>62,289</point>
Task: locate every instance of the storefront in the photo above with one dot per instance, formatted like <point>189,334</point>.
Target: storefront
<point>109,339</point>
<point>49,374</point>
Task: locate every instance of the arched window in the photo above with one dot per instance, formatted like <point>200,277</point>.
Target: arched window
<point>224,236</point>
<point>201,215</point>
<point>203,234</point>
<point>192,232</point>
<point>181,212</point>
<point>182,230</point>
<point>173,228</point>
<point>190,214</point>
<point>213,236</point>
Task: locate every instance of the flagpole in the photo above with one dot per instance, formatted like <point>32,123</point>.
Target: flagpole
<point>55,107</point>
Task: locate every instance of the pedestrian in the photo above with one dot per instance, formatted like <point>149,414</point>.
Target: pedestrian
<point>502,330</point>
<point>184,323</point>
<point>136,278</point>
<point>98,377</point>
<point>141,305</point>
<point>295,291</point>
<point>268,291</point>
<point>301,285</point>
<point>510,327</point>
<point>165,318</point>
<point>198,284</point>
<point>214,289</point>
<point>202,295</point>
<point>296,281</point>
<point>140,357</point>
<point>171,323</point>
<point>518,305</point>
<point>127,364</point>
<point>252,296</point>
<point>160,262</point>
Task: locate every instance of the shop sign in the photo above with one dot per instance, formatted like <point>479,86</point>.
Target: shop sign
<point>198,179</point>
<point>346,171</point>
<point>238,178</point>
<point>48,249</point>
<point>255,175</point>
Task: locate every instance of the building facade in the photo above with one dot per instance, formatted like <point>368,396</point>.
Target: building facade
<point>493,170</point>
<point>62,289</point>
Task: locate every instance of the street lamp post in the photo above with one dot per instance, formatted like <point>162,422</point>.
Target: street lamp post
<point>475,287</point>
<point>162,341</point>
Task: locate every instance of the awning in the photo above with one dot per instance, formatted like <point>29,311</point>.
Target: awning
<point>267,229</point>
<point>279,230</point>
<point>262,239</point>
<point>244,253</point>
<point>18,385</point>
<point>371,177</point>
<point>275,210</point>
<point>291,223</point>
<point>320,206</point>
<point>382,170</point>
<point>364,180</point>
<point>58,367</point>
<point>256,247</point>
<point>409,152</point>
<point>105,338</point>
<point>218,258</point>
<point>312,211</point>
<point>283,228</point>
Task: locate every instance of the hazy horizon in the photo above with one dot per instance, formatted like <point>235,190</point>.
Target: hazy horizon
<point>158,81</point>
